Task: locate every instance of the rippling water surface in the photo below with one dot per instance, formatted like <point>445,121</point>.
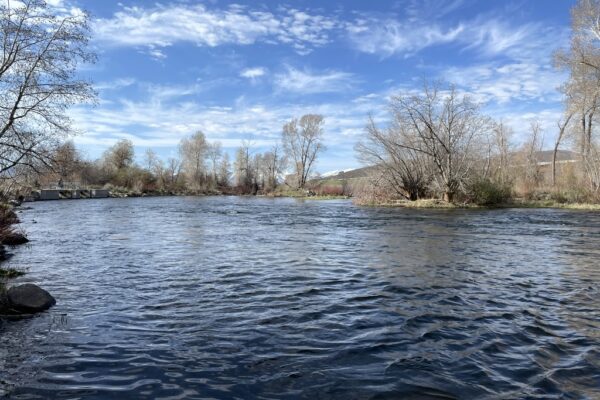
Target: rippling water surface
<point>278,298</point>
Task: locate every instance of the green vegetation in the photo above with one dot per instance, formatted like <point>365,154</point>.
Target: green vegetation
<point>8,219</point>
<point>10,273</point>
<point>485,192</point>
<point>421,204</point>
<point>309,194</point>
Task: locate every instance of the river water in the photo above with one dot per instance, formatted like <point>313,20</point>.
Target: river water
<point>225,297</point>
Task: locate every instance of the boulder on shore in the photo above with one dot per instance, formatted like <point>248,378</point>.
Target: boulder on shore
<point>29,298</point>
<point>14,239</point>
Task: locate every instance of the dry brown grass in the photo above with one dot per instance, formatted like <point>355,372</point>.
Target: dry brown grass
<point>8,219</point>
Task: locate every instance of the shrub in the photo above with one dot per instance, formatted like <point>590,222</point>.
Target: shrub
<point>329,190</point>
<point>7,219</point>
<point>573,195</point>
<point>373,194</point>
<point>485,192</point>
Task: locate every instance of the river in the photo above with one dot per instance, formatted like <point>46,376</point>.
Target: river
<point>240,297</point>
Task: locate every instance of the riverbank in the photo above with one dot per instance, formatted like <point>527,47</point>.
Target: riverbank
<point>515,203</point>
<point>119,192</point>
<point>552,204</point>
<point>9,237</point>
<point>402,203</point>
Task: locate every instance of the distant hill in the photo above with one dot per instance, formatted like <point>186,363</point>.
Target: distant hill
<point>347,174</point>
<point>562,156</point>
<point>543,157</point>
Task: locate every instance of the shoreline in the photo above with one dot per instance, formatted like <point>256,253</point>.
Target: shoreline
<point>436,204</point>
<point>416,204</point>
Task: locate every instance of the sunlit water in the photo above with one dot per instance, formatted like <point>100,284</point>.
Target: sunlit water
<point>226,297</point>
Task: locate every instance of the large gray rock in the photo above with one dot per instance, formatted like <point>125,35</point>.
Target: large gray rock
<point>29,298</point>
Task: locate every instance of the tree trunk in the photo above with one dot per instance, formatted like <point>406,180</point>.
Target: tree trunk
<point>448,196</point>
<point>561,133</point>
<point>583,136</point>
<point>554,163</point>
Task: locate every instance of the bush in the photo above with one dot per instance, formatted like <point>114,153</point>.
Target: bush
<point>485,192</point>
<point>332,188</point>
<point>8,218</point>
<point>329,190</point>
<point>574,195</point>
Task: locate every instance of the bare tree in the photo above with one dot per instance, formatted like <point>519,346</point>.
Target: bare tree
<point>302,142</point>
<point>273,164</point>
<point>562,129</point>
<point>193,152</point>
<point>531,148</point>
<point>447,128</point>
<point>591,167</point>
<point>502,151</point>
<point>244,176</point>
<point>407,172</point>
<point>65,161</point>
<point>150,159</point>
<point>41,52</point>
<point>121,155</point>
<point>155,166</point>
<point>582,61</point>
<point>173,172</point>
<point>214,152</point>
<point>224,170</point>
<point>585,23</point>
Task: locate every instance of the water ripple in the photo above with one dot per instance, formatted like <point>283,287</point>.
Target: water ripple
<point>203,298</point>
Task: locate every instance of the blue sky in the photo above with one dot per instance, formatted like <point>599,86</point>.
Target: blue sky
<point>239,70</point>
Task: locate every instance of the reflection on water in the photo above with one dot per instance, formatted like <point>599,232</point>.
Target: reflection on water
<point>279,298</point>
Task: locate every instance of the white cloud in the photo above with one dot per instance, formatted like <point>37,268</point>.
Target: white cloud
<point>161,119</point>
<point>156,53</point>
<point>506,82</point>
<point>253,73</point>
<point>307,82</point>
<point>115,84</point>
<point>488,37</point>
<point>164,26</point>
<point>390,37</point>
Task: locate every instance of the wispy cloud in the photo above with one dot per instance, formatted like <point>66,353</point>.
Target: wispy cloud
<point>485,36</point>
<point>309,82</point>
<point>164,26</point>
<point>253,73</point>
<point>389,37</point>
<point>505,82</point>
<point>114,84</point>
<point>159,119</point>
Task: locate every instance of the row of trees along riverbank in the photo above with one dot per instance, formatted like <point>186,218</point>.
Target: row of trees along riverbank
<point>200,167</point>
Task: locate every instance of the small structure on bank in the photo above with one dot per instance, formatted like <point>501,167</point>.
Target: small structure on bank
<point>60,194</point>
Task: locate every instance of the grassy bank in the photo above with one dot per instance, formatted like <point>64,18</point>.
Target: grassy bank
<point>517,203</point>
<point>551,204</point>
<point>304,194</point>
<point>422,203</point>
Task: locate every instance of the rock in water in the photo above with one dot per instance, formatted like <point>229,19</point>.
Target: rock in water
<point>14,239</point>
<point>29,298</point>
